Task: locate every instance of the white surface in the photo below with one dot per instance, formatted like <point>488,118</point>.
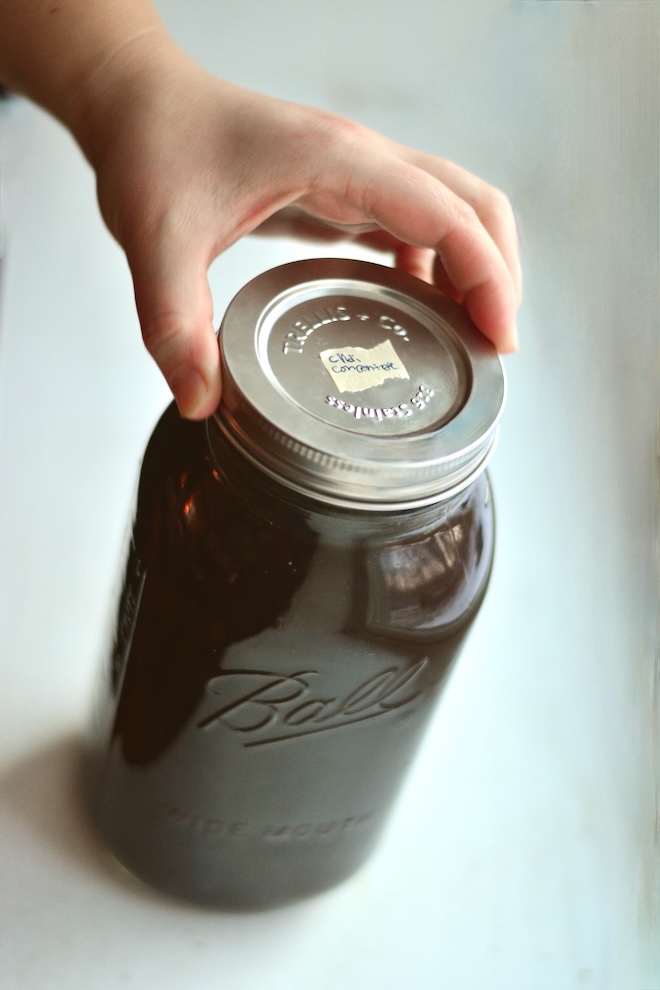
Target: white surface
<point>525,850</point>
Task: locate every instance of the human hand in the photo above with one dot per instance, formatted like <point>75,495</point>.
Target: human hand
<point>187,164</point>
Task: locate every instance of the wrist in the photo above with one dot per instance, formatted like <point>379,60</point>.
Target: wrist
<point>108,91</point>
<point>63,56</point>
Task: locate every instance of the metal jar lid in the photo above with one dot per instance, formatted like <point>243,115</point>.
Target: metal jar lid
<point>358,384</point>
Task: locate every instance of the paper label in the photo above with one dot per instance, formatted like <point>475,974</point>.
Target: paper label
<point>354,369</point>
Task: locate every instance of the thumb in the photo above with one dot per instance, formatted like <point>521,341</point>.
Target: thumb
<point>175,308</point>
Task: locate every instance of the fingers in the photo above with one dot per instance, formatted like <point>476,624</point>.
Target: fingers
<point>479,275</point>
<point>477,263</point>
<point>425,203</point>
<point>490,205</point>
<point>176,315</point>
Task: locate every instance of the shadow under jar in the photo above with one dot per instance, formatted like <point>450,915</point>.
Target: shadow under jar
<point>302,571</point>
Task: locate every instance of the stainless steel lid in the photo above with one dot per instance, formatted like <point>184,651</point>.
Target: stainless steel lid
<point>358,384</point>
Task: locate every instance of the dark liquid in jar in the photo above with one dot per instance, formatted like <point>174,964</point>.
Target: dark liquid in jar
<point>272,666</point>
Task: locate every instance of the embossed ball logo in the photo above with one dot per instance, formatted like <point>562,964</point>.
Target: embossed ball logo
<point>266,708</point>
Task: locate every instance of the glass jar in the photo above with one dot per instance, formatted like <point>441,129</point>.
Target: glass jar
<point>299,581</point>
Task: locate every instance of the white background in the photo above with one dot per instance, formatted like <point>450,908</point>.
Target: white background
<point>524,852</point>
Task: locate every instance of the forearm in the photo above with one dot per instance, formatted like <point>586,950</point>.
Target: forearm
<point>65,54</point>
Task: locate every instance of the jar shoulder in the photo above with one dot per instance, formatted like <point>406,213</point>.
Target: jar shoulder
<point>221,534</point>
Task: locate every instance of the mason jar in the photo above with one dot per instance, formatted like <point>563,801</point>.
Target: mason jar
<point>302,571</point>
